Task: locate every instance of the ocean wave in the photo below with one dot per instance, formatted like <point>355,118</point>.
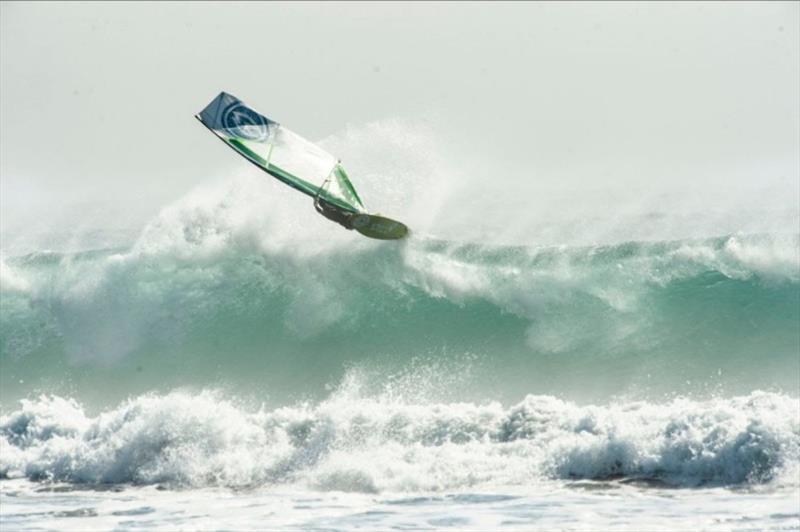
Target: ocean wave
<point>212,284</point>
<point>351,442</point>
<point>721,310</point>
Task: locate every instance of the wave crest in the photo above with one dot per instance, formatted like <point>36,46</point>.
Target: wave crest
<point>722,311</point>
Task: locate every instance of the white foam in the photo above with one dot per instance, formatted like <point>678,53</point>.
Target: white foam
<point>382,443</point>
<point>10,279</point>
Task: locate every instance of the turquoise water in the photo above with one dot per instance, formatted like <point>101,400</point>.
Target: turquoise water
<point>708,316</point>
<point>435,383</point>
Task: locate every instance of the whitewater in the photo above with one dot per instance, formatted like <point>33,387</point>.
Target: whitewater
<point>237,362</point>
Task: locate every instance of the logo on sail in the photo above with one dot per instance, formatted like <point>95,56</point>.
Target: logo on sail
<point>243,122</point>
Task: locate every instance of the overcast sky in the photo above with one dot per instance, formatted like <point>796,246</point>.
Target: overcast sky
<point>97,99</point>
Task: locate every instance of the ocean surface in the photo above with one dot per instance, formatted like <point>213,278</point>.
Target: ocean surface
<point>217,370</point>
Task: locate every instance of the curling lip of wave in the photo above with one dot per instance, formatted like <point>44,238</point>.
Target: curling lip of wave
<point>132,287</point>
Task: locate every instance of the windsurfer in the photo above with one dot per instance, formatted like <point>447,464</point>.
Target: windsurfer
<point>332,212</point>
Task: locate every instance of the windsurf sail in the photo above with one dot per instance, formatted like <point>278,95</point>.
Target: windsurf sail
<point>280,152</point>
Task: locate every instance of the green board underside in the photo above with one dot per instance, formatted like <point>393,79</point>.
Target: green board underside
<point>284,176</point>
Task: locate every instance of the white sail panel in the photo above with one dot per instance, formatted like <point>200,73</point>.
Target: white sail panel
<point>296,155</point>
<point>280,152</point>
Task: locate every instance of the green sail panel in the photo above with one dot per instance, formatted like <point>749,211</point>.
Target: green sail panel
<point>280,152</point>
<point>343,188</point>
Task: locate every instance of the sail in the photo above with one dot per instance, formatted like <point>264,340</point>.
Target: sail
<point>339,185</point>
<point>280,152</point>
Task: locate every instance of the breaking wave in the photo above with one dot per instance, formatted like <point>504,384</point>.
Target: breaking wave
<point>230,289</point>
<point>204,300</point>
<point>353,442</point>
